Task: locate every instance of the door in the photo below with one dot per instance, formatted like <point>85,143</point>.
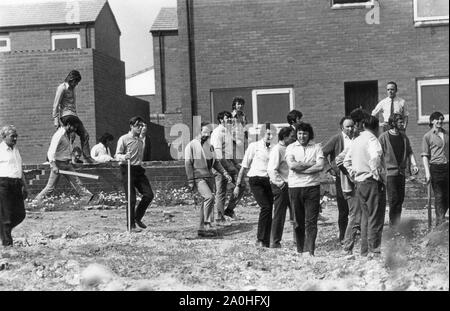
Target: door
<point>360,94</point>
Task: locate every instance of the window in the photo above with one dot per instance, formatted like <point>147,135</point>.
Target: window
<point>5,44</point>
<point>430,12</point>
<point>342,4</point>
<point>272,105</point>
<point>432,95</point>
<point>66,41</point>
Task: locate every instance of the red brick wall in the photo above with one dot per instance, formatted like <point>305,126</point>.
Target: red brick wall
<point>28,83</point>
<point>307,44</point>
<point>107,35</point>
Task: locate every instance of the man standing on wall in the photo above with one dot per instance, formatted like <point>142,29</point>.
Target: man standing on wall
<point>13,185</point>
<point>131,147</point>
<point>64,106</point>
<point>390,105</point>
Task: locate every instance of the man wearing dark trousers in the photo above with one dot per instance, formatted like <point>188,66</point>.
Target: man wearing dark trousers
<point>131,147</point>
<point>278,171</point>
<point>397,154</point>
<point>364,162</point>
<point>255,160</point>
<point>332,148</point>
<point>13,186</point>
<point>435,161</point>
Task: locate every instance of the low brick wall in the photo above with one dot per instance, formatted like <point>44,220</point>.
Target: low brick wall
<point>169,174</point>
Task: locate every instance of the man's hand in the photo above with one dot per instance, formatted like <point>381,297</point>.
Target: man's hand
<point>427,177</point>
<point>56,122</point>
<point>229,178</point>
<point>414,170</point>
<point>236,191</point>
<point>55,169</point>
<point>128,155</point>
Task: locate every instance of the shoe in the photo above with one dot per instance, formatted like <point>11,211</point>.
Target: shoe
<point>229,213</point>
<point>276,245</point>
<point>95,200</point>
<point>206,233</point>
<point>140,223</point>
<point>261,244</point>
<point>135,230</point>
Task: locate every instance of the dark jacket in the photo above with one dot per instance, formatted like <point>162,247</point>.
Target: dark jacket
<point>332,148</point>
<point>393,168</point>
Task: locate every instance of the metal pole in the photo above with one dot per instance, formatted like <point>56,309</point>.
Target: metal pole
<point>129,199</point>
<point>429,206</point>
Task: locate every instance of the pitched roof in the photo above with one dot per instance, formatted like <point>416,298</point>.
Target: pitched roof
<point>46,12</point>
<point>167,19</point>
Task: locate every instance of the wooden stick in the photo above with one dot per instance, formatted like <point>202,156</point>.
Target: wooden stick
<point>78,174</point>
<point>129,199</point>
<point>429,206</point>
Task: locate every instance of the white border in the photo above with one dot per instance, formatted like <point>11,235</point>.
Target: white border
<point>425,119</point>
<point>6,48</point>
<point>257,92</point>
<point>362,4</point>
<point>431,20</point>
<point>66,36</point>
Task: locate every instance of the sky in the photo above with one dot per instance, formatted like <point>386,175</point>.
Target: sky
<point>135,18</point>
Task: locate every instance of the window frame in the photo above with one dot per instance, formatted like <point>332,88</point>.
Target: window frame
<point>361,4</point>
<point>424,119</point>
<point>57,36</point>
<point>6,48</point>
<point>255,92</point>
<point>428,21</point>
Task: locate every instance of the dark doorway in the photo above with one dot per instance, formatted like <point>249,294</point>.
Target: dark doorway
<point>360,94</point>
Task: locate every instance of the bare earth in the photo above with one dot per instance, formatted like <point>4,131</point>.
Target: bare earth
<point>53,249</point>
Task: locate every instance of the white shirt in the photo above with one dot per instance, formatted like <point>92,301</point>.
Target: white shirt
<point>222,141</point>
<point>100,154</point>
<point>309,153</point>
<point>10,161</point>
<point>347,140</point>
<point>277,167</point>
<point>256,158</point>
<point>60,147</point>
<point>385,107</point>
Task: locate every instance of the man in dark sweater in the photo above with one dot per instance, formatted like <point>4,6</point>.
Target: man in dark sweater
<point>396,151</point>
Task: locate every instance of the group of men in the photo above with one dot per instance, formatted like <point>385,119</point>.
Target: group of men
<point>283,174</point>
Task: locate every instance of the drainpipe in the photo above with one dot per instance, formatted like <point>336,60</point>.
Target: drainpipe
<point>88,36</point>
<point>162,69</point>
<point>191,52</point>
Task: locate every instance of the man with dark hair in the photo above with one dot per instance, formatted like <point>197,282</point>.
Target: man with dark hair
<point>294,117</point>
<point>239,130</point>
<point>332,148</point>
<point>396,153</point>
<point>64,106</point>
<point>131,147</point>
<point>435,161</point>
<point>199,159</point>
<point>60,155</point>
<point>102,152</point>
<point>13,185</point>
<point>222,141</point>
<point>278,171</point>
<point>390,105</point>
<point>364,163</point>
<point>305,161</point>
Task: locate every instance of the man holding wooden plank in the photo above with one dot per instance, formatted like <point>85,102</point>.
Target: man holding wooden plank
<point>59,155</point>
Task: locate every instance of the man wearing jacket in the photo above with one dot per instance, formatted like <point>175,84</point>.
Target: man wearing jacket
<point>396,152</point>
<point>200,158</point>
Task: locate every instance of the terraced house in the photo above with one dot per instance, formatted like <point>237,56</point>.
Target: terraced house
<point>322,57</point>
<point>39,44</point>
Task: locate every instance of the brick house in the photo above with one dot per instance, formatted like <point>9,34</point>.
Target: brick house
<point>39,44</point>
<point>323,58</point>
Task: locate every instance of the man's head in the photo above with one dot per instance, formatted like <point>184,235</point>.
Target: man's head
<point>294,117</point>
<point>224,117</point>
<point>73,78</point>
<point>205,132</point>
<point>371,123</point>
<point>267,132</point>
<point>305,133</point>
<point>391,89</point>
<point>136,125</point>
<point>436,120</point>
<point>106,139</point>
<point>71,123</point>
<point>76,153</point>
<point>9,135</point>
<point>358,115</point>
<point>286,135</point>
<point>347,126</point>
<point>238,103</point>
<point>396,121</point>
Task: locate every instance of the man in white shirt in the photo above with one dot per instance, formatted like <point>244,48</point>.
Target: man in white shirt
<point>13,185</point>
<point>278,171</point>
<point>60,155</point>
<point>305,161</point>
<point>222,141</point>
<point>102,152</point>
<point>390,105</point>
<point>255,160</point>
<point>364,163</point>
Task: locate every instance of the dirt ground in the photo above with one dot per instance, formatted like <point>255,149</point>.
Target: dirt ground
<point>89,249</point>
